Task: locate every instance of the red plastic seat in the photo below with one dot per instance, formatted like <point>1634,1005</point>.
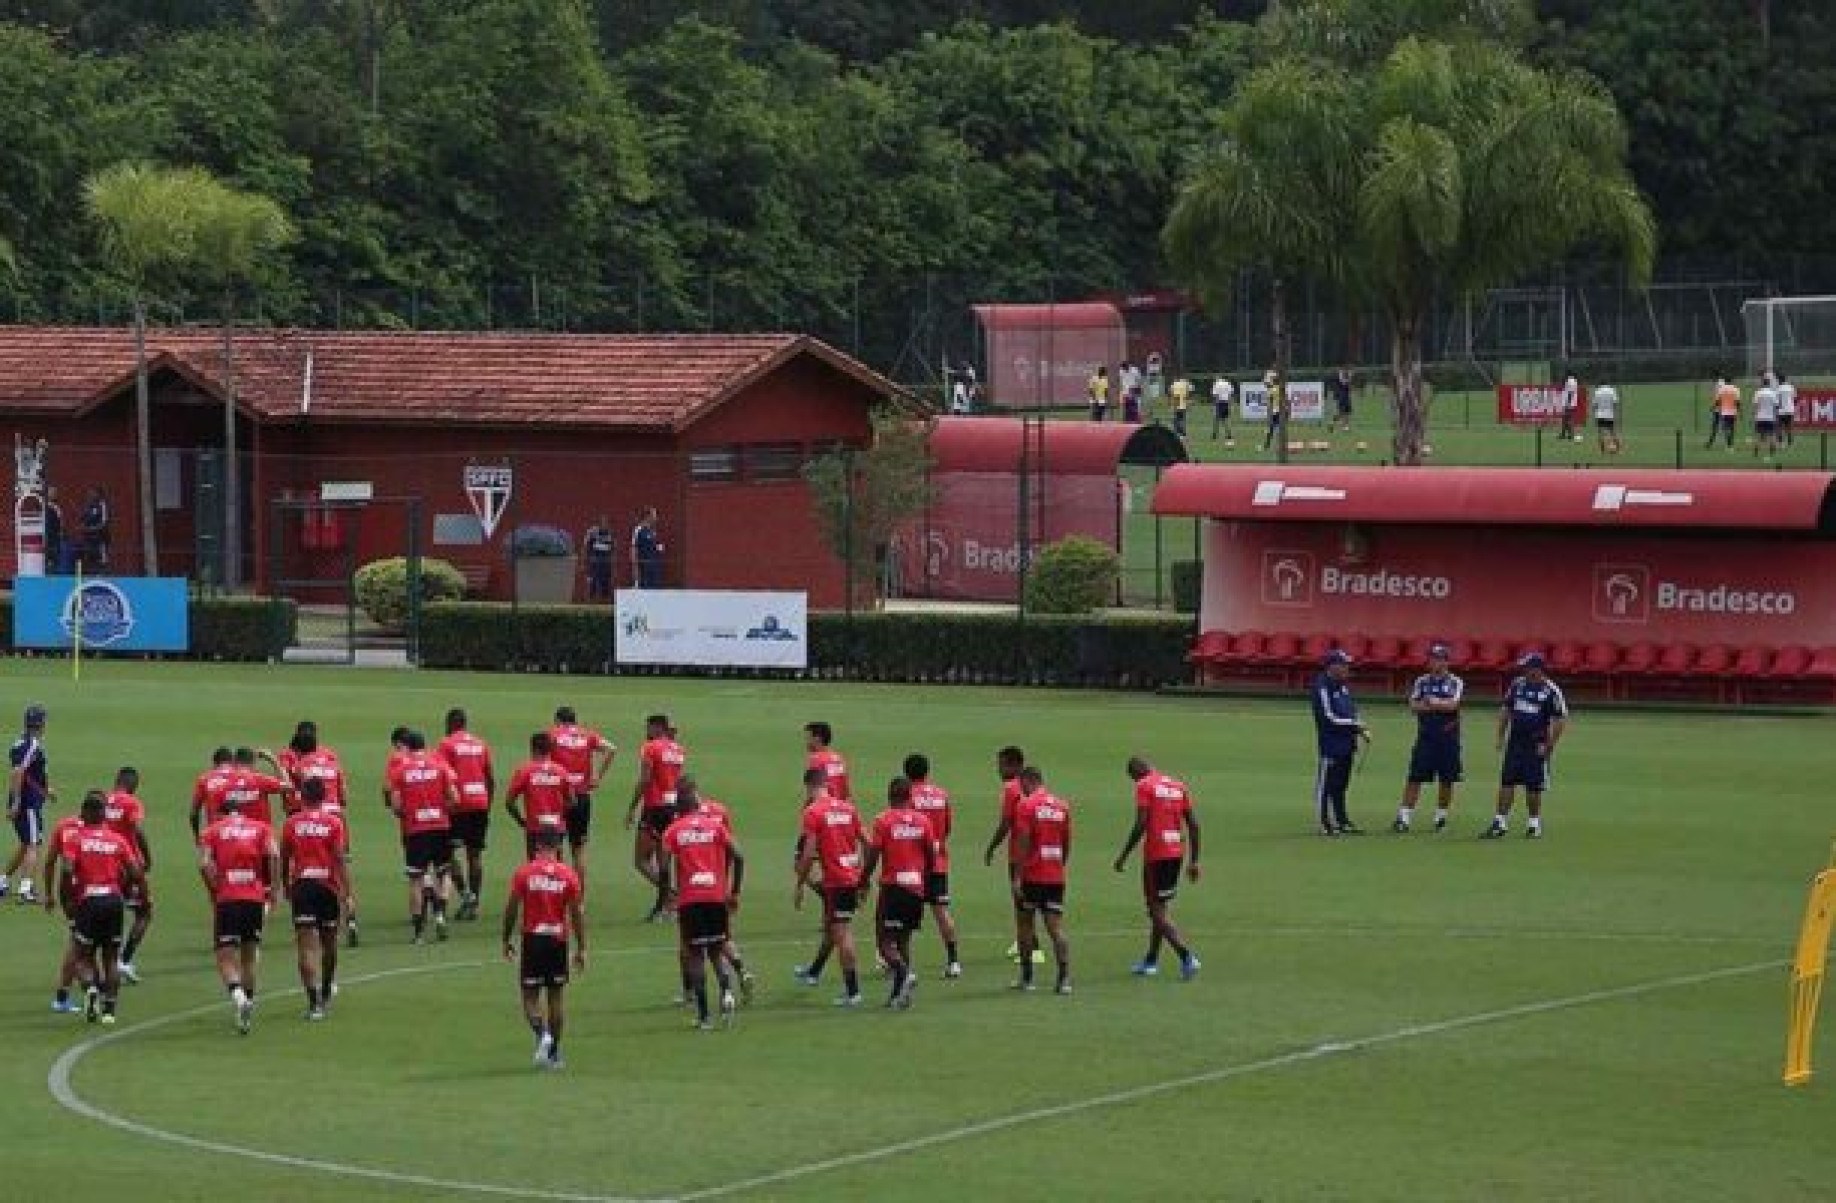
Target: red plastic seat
<point>1415,651</point>
<point>1822,666</point>
<point>1715,660</point>
<point>1492,654</point>
<point>1567,657</point>
<point>1281,649</point>
<point>1355,646</point>
<point>1385,651</point>
<point>1675,660</point>
<point>1245,647</point>
<point>1793,661</point>
<point>1316,647</point>
<point>1459,651</point>
<point>1751,663</point>
<point>1641,659</point>
<point>1601,658</point>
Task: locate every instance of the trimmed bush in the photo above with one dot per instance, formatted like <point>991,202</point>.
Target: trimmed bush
<point>1127,652</point>
<point>382,589</point>
<point>1072,576</point>
<point>536,541</point>
<point>242,628</point>
<point>1188,582</point>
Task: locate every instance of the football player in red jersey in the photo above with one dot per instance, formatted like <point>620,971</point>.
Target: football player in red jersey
<point>1042,832</point>
<point>586,755</point>
<point>469,757</point>
<point>307,759</point>
<point>904,845</point>
<point>241,867</point>
<point>289,759</point>
<point>933,802</point>
<point>312,863</point>
<point>207,793</point>
<point>127,815</point>
<point>687,787</point>
<point>1165,819</point>
<point>660,763</point>
<point>540,784</point>
<point>422,792</point>
<point>252,787</point>
<point>545,895</point>
<point>816,740</point>
<point>831,836</point>
<point>100,864</point>
<point>1008,763</point>
<point>709,872</point>
<point>60,845</point>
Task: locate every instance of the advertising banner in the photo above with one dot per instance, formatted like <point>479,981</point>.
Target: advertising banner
<point>705,628</point>
<point>1590,586</point>
<point>1817,408</point>
<point>1530,404</point>
<point>110,614</point>
<point>968,548</point>
<point>1044,355</point>
<point>1307,399</point>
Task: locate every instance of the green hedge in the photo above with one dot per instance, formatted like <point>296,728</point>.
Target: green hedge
<point>222,628</point>
<point>1188,585</point>
<point>1117,652</point>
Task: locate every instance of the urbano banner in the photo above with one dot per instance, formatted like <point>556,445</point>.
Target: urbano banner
<point>1817,408</point>
<point>709,628</point>
<point>108,614</point>
<point>1525,584</point>
<point>1306,400</point>
<point>1530,404</point>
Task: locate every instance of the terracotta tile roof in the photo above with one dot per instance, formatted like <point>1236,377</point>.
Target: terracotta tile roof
<point>631,382</point>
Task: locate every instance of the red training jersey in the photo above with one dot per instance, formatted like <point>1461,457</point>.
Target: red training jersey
<point>1043,828</point>
<point>700,844</point>
<point>662,759</point>
<point>423,787</point>
<point>470,760</point>
<point>543,788</point>
<point>98,857</point>
<point>238,847</point>
<point>253,789</point>
<point>833,828</point>
<point>574,748</point>
<point>1010,814</point>
<point>125,814</point>
<point>933,802</point>
<point>546,888</point>
<point>1163,805</point>
<point>834,770</point>
<point>313,841</point>
<point>718,812</point>
<point>902,836</point>
<point>63,836</point>
<point>207,793</point>
<point>322,765</point>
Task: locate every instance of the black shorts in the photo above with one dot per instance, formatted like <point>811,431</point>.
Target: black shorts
<point>1785,421</point>
<point>1435,761</point>
<point>579,818</point>
<point>937,889</point>
<point>656,819</point>
<point>469,829</point>
<point>314,905</point>
<point>98,920</point>
<point>703,924</point>
<point>544,961</point>
<point>425,850</point>
<point>239,923</point>
<point>840,903</point>
<point>1605,425</point>
<point>1764,428</point>
<point>1526,767</point>
<point>1160,880</point>
<point>899,910</point>
<point>1035,898</point>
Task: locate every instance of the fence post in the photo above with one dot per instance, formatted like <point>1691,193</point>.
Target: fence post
<point>1823,451</point>
<point>1678,440</point>
<point>414,582</point>
<point>1539,446</point>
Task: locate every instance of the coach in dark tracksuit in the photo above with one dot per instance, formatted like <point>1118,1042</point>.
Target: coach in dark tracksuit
<point>1335,720</point>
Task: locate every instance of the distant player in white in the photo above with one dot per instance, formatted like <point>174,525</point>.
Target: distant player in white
<point>1765,418</point>
<point>1606,418</point>
<point>1222,391</point>
<point>1788,409</point>
<point>1571,409</point>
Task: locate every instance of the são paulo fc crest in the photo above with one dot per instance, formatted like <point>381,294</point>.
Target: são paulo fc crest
<point>98,615</point>
<point>488,489</point>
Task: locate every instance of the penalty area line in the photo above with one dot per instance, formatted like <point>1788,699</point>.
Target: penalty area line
<point>1317,1052</point>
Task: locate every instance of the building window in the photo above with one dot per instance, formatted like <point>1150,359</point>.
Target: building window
<point>714,464</point>
<point>774,461</point>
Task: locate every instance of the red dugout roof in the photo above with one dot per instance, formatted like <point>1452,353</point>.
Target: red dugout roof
<point>1084,315</point>
<point>1065,448</point>
<point>1595,497</point>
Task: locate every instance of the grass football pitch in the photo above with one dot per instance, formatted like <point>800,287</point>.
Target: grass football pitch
<point>1596,1016</point>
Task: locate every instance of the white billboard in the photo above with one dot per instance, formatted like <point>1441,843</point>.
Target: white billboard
<point>706,628</point>
<point>1307,399</point>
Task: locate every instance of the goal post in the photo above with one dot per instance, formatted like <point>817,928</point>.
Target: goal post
<point>1792,336</point>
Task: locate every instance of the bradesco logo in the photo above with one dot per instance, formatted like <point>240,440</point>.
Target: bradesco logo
<point>1293,578</point>
<point>1287,578</point>
<point>1622,593</point>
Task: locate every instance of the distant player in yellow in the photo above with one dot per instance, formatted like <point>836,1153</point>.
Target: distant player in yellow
<point>1726,414</point>
<point>1099,394</point>
<point>1181,393</point>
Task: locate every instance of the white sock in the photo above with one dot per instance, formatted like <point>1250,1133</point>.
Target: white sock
<point>1440,814</point>
<point>1500,822</point>
<point>1404,813</point>
<point>1536,824</point>
<point>3,881</point>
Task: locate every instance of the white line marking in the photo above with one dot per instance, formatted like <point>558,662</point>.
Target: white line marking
<point>1224,1073</point>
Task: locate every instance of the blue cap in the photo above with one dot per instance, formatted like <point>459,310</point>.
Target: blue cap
<point>35,715</point>
<point>1531,660</point>
<point>1337,656</point>
<point>1439,651</point>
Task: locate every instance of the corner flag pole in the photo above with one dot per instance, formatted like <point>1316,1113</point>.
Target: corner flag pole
<point>76,627</point>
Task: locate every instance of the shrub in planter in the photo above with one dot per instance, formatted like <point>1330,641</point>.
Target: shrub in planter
<point>1188,580</point>
<point>538,542</point>
<point>1073,576</point>
<point>382,588</point>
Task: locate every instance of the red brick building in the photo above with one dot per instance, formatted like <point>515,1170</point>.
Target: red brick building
<point>712,430</point>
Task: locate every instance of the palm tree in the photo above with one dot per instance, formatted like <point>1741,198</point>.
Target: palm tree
<point>1271,196</point>
<point>148,218</point>
<point>236,230</point>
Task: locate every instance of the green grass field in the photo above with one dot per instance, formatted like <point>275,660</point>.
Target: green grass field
<point>1598,1016</point>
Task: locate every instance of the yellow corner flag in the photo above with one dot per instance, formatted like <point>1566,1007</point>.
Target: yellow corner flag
<point>1807,977</point>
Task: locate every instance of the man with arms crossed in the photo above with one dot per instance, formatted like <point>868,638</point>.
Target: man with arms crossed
<point>1435,701</point>
<point>1530,724</point>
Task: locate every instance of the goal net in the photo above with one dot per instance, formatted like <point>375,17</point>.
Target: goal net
<point>1794,336</point>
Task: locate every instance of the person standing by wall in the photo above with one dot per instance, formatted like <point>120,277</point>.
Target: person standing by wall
<point>55,549</point>
<point>1339,730</point>
<point>598,543</point>
<point>647,552</point>
<point>95,524</point>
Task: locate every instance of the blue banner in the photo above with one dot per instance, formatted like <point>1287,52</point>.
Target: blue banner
<point>112,614</point>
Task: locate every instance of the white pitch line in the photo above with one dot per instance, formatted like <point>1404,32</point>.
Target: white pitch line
<point>1136,1094</point>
